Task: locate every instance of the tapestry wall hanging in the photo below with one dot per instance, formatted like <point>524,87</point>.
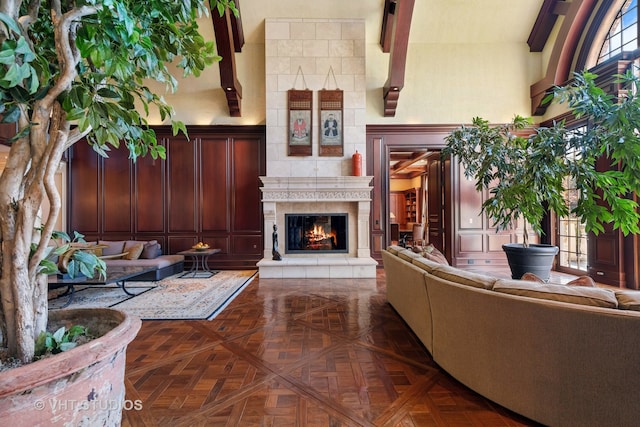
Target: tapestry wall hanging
<point>330,106</point>
<point>299,104</point>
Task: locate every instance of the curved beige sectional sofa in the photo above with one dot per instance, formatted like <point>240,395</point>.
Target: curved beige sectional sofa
<point>559,355</point>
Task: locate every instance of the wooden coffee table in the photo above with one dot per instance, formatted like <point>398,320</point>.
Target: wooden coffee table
<point>117,275</point>
<point>199,263</point>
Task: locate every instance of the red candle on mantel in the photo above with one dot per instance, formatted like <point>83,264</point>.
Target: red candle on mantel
<point>356,160</point>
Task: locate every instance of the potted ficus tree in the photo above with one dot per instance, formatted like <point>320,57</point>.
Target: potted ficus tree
<point>76,71</point>
<point>527,174</point>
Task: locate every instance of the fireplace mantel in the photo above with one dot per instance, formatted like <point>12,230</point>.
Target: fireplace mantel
<point>282,195</point>
<point>299,189</point>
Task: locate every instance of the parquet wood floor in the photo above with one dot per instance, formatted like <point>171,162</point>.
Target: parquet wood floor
<point>313,352</point>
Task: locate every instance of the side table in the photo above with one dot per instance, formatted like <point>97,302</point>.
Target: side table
<point>199,263</point>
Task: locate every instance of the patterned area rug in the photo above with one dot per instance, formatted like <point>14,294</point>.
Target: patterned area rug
<point>172,298</point>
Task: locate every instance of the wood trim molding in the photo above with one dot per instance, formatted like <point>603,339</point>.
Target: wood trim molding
<point>563,53</point>
<point>418,129</point>
<point>596,33</point>
<point>224,27</point>
<point>402,15</point>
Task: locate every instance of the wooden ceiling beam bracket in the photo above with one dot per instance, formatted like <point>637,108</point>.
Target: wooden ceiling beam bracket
<point>387,25</point>
<point>225,31</point>
<point>545,21</point>
<point>238,32</point>
<point>402,14</point>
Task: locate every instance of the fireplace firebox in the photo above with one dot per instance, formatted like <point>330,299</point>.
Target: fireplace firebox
<point>317,233</point>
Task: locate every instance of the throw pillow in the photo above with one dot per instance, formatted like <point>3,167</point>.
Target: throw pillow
<point>133,250</point>
<point>112,247</point>
<point>583,281</point>
<point>432,253</point>
<point>98,251</point>
<point>531,277</point>
<point>150,250</point>
<point>580,281</point>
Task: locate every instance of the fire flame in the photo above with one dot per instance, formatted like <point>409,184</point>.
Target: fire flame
<point>318,234</point>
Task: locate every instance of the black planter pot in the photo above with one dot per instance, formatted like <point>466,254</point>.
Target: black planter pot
<point>536,259</point>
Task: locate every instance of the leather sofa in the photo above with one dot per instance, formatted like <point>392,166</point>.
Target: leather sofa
<point>559,355</point>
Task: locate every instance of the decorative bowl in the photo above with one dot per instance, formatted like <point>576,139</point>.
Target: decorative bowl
<point>200,248</point>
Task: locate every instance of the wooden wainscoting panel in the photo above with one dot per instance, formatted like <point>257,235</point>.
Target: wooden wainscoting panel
<point>150,195</point>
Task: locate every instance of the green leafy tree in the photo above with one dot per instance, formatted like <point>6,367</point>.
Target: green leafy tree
<point>74,69</point>
<point>526,176</point>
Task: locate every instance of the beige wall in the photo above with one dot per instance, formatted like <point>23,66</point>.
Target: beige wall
<point>453,83</point>
<point>444,84</point>
<point>478,66</point>
<point>404,184</point>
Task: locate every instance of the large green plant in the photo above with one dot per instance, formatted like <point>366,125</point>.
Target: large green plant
<point>70,70</point>
<point>526,175</point>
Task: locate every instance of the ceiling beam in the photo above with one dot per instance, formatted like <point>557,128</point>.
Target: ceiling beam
<point>227,34</point>
<point>236,28</point>
<point>387,25</point>
<point>545,21</point>
<point>415,157</point>
<point>399,16</point>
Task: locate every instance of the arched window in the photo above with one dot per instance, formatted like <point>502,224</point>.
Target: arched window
<point>619,45</point>
<point>623,34</point>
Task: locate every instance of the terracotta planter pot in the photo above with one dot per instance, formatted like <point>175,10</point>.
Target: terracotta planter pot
<point>82,386</point>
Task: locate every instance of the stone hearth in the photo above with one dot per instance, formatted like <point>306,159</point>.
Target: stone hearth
<point>350,194</point>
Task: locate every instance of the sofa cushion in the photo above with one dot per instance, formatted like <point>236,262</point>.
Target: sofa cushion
<point>628,300</point>
<point>133,249</point>
<point>468,278</point>
<point>432,253</point>
<point>596,297</point>
<point>407,255</point>
<point>425,264</point>
<point>112,247</point>
<point>394,249</point>
<point>159,262</point>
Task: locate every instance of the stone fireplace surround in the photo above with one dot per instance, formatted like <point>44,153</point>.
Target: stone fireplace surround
<point>350,194</point>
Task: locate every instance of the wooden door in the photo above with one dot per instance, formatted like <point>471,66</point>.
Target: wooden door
<point>434,202</point>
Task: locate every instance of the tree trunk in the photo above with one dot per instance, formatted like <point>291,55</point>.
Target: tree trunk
<point>27,178</point>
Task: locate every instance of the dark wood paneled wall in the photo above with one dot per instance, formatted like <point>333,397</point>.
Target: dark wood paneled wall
<point>455,225</point>
<point>606,260</point>
<point>381,139</point>
<point>208,189</point>
<point>476,240</point>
